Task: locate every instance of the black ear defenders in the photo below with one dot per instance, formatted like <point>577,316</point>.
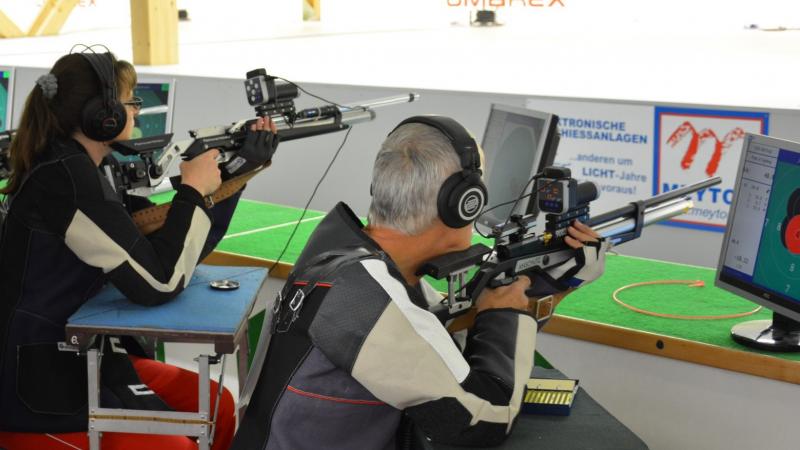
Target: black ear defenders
<point>463,195</point>
<point>790,228</point>
<point>103,117</point>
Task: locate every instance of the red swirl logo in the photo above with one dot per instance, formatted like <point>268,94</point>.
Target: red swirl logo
<point>697,138</point>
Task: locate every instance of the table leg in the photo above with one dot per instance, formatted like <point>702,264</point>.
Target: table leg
<point>204,399</point>
<point>93,367</point>
<point>242,357</point>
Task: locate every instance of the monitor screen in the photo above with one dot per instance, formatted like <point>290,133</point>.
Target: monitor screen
<point>155,116</point>
<point>760,258</point>
<point>518,143</point>
<point>6,87</point>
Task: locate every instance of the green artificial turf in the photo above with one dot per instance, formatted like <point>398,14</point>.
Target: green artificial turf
<point>594,302</point>
<point>163,197</point>
<point>263,229</point>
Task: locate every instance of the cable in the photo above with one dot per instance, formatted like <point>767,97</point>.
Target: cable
<point>497,206</point>
<point>89,48</point>
<point>220,388</point>
<point>322,178</point>
<point>305,209</point>
<point>689,283</point>
<point>515,202</point>
<point>510,213</point>
<point>310,94</point>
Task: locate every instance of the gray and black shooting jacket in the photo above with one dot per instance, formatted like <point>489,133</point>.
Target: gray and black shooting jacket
<point>347,361</point>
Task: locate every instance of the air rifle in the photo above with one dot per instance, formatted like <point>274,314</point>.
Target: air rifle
<point>521,251</point>
<point>155,156</point>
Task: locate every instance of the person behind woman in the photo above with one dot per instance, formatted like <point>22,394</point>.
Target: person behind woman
<point>67,232</point>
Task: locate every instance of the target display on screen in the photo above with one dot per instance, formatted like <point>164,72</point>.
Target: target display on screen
<point>761,250</point>
<point>155,116</point>
<point>6,86</point>
<point>778,259</point>
<point>518,143</point>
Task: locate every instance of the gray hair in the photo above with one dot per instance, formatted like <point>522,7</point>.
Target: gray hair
<point>411,166</point>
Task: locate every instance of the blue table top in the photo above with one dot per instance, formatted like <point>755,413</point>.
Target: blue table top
<point>197,308</point>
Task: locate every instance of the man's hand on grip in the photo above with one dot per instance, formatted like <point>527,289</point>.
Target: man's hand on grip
<point>511,296</point>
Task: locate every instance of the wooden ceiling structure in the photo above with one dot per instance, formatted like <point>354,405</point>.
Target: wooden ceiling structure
<point>154,27</point>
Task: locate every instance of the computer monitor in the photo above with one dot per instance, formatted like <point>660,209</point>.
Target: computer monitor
<point>6,96</point>
<point>6,99</point>
<point>518,143</point>
<point>760,257</point>
<point>155,117</point>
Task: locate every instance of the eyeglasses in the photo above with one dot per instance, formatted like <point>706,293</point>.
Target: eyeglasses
<point>135,103</point>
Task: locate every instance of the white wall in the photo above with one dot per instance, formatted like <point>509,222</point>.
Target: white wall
<point>298,165</point>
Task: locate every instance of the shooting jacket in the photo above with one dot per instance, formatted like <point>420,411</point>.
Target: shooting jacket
<point>66,234</point>
<point>363,349</point>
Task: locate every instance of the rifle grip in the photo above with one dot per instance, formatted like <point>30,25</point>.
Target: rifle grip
<point>502,282</point>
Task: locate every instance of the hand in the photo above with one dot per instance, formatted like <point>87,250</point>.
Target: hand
<point>202,173</point>
<point>588,264</point>
<point>259,146</point>
<point>263,123</point>
<point>579,234</point>
<point>511,296</point>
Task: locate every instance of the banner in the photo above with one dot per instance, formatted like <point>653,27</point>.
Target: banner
<point>634,151</point>
<point>693,144</point>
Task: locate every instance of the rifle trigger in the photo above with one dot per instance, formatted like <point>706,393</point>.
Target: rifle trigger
<point>502,282</point>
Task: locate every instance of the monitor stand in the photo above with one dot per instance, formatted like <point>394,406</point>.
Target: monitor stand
<point>782,334</point>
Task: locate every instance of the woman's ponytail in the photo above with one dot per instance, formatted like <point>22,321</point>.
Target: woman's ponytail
<point>37,126</point>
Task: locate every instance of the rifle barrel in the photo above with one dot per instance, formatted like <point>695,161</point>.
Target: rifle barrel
<point>630,209</point>
<point>308,128</point>
<point>386,101</point>
<point>351,114</point>
<point>652,215</point>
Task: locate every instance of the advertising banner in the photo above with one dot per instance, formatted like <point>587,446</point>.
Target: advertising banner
<point>633,151</point>
<point>692,144</point>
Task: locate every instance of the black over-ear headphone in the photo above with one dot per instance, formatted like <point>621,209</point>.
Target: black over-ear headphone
<point>463,195</point>
<point>790,229</point>
<point>103,116</point>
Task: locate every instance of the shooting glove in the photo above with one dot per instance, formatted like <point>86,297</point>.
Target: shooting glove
<point>257,150</point>
<point>587,265</point>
